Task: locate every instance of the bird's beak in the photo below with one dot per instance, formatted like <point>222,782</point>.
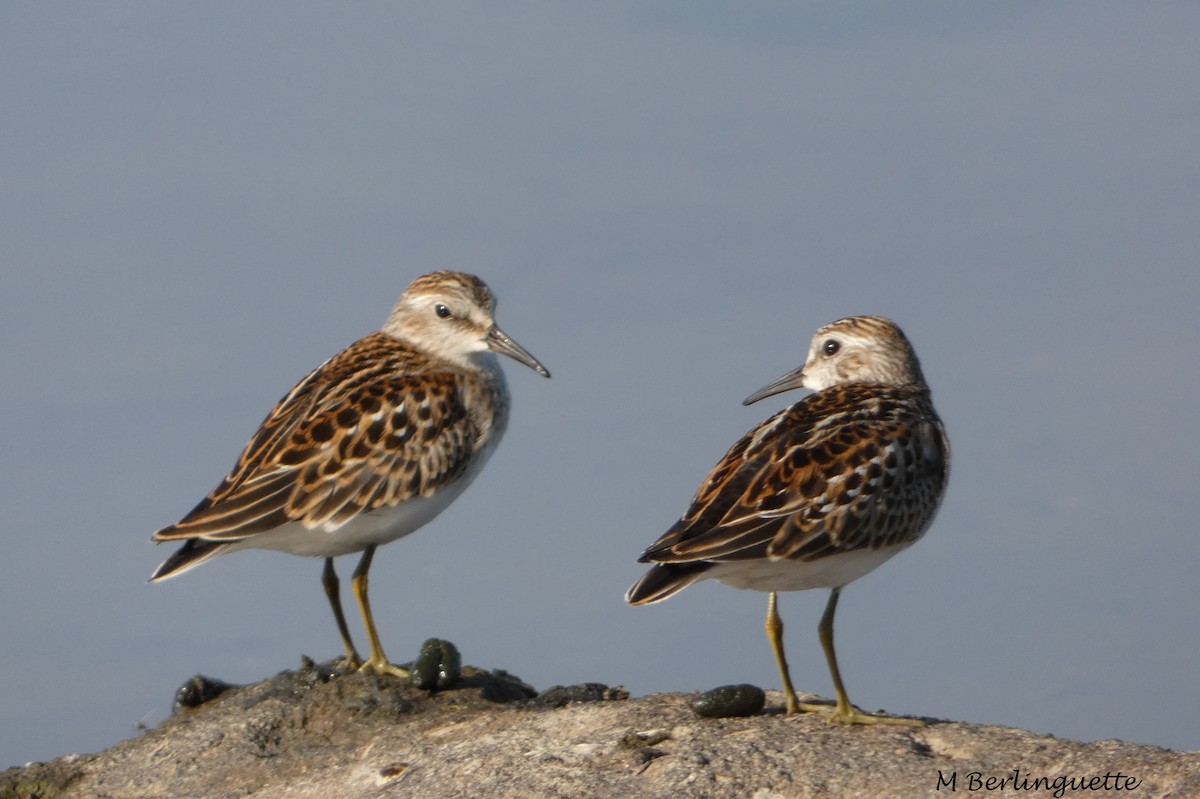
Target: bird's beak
<point>793,379</point>
<point>499,341</point>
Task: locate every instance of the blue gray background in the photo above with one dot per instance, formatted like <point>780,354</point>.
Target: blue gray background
<point>201,202</point>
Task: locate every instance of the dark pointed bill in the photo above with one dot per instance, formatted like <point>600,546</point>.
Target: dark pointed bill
<point>499,341</point>
<point>793,379</point>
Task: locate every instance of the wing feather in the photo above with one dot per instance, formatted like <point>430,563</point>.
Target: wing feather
<point>849,468</point>
<point>369,428</point>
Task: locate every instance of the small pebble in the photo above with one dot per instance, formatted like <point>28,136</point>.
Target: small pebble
<point>438,666</point>
<point>198,690</point>
<point>559,695</point>
<point>729,701</point>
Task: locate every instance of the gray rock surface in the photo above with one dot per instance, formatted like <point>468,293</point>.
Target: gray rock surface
<point>313,734</point>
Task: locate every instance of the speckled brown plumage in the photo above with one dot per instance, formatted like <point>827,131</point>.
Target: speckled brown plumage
<point>375,425</point>
<point>855,466</point>
<point>369,446</point>
<point>823,491</point>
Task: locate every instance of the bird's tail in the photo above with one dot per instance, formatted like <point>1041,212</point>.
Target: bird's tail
<point>664,580</point>
<point>193,552</point>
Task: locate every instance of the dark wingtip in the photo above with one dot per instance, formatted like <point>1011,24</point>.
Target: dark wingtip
<point>193,552</point>
<point>664,580</point>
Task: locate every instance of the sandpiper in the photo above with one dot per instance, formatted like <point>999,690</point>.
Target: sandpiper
<point>821,493</point>
<point>371,445</point>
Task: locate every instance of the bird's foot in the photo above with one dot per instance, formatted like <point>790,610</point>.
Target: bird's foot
<point>845,713</point>
<point>381,666</point>
<point>348,663</point>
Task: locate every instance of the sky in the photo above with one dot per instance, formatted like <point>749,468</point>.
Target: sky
<point>200,203</point>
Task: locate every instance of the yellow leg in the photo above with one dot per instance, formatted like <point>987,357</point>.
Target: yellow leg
<point>843,711</point>
<point>329,579</point>
<point>774,628</point>
<point>378,661</point>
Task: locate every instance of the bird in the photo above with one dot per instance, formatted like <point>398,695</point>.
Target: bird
<point>368,447</point>
<point>819,494</point>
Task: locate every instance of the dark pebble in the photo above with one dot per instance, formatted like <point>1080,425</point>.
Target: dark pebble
<point>439,665</point>
<point>729,701</point>
<point>198,690</point>
<point>559,695</point>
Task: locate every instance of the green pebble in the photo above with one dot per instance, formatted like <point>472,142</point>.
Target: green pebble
<point>729,701</point>
<point>438,666</point>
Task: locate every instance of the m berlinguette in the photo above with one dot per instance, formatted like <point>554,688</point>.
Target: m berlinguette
<point>368,447</point>
<point>821,493</point>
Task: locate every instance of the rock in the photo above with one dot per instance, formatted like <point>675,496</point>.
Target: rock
<point>359,736</point>
<point>563,695</point>
<point>438,666</point>
<point>198,690</point>
<point>730,701</point>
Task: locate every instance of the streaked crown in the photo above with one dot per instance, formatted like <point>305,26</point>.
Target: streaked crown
<point>861,349</point>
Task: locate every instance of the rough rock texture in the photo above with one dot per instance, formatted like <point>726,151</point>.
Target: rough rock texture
<point>312,733</point>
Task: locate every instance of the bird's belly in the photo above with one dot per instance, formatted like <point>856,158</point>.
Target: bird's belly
<point>796,575</point>
<point>373,528</point>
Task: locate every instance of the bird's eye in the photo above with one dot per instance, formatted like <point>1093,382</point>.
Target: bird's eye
<point>831,346</point>
<point>442,311</point>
